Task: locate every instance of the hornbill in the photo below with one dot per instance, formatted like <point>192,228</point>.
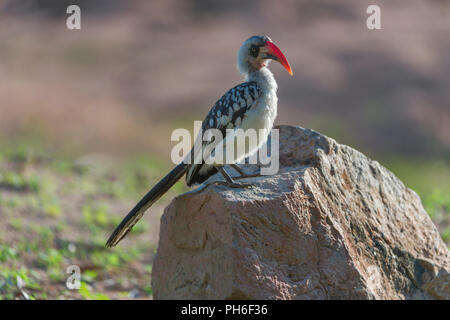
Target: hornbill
<point>249,105</point>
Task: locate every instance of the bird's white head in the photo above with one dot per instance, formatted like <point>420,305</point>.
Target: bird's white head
<point>256,53</point>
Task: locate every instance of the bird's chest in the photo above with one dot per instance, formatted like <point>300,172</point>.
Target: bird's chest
<point>262,115</point>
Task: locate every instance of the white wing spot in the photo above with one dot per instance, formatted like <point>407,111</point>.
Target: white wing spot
<point>223,120</point>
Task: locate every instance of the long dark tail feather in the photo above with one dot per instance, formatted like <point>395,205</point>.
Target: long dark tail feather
<point>151,197</point>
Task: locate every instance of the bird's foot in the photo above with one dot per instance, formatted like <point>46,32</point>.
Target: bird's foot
<point>244,176</point>
<point>233,184</point>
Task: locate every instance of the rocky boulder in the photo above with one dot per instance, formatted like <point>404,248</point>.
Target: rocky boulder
<point>332,224</point>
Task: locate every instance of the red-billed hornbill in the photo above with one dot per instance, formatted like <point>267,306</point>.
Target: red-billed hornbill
<point>250,105</point>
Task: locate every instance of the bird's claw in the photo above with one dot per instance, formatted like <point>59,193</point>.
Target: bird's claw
<point>245,176</point>
<point>233,184</point>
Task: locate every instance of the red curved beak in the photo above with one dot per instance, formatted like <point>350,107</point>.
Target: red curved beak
<point>273,52</point>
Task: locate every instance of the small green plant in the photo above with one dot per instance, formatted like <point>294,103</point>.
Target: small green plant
<point>56,274</point>
<point>16,223</point>
<point>7,253</point>
<point>86,293</point>
<point>96,216</point>
<point>108,260</point>
<point>89,275</point>
<point>9,278</point>
<point>45,236</point>
<point>148,268</point>
<point>18,181</point>
<point>53,209</point>
<point>50,259</point>
<point>148,290</point>
<point>437,203</point>
<point>446,235</point>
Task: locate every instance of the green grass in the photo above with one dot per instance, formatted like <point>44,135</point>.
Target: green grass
<point>7,253</point>
<point>431,180</point>
<point>422,175</point>
<point>96,216</point>
<point>9,282</point>
<point>50,258</point>
<point>86,293</point>
<point>17,181</point>
<point>59,212</point>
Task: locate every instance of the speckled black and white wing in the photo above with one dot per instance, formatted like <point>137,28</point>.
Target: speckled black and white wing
<point>227,113</point>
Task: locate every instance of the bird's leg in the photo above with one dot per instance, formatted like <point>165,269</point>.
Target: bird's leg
<point>229,180</point>
<point>243,175</point>
<point>238,169</point>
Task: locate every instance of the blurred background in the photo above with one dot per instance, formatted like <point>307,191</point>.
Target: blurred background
<point>86,115</point>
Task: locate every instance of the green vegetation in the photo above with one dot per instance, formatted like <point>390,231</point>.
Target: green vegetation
<point>7,253</point>
<point>59,212</point>
<point>18,181</point>
<point>431,181</point>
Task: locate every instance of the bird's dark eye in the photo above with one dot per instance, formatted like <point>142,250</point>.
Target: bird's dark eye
<point>254,50</point>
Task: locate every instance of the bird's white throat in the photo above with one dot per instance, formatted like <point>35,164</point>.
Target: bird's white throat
<point>264,78</point>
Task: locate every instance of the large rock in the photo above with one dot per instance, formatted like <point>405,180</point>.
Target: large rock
<point>332,224</point>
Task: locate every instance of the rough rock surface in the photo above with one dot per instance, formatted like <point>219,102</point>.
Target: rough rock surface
<point>332,224</point>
